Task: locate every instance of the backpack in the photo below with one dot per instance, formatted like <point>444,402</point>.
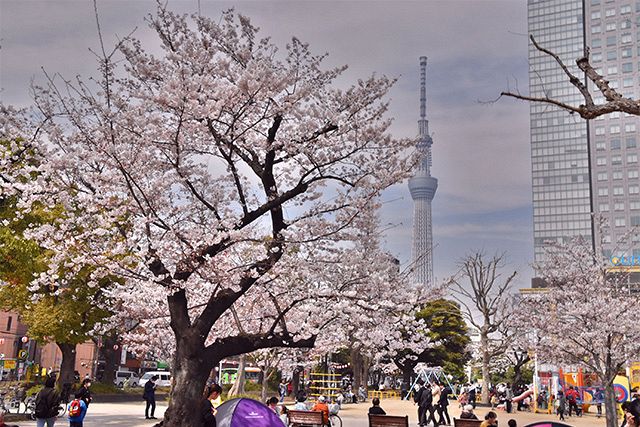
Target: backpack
<point>75,408</point>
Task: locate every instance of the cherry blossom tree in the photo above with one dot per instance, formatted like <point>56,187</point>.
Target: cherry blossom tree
<point>483,294</point>
<point>585,316</point>
<point>238,179</point>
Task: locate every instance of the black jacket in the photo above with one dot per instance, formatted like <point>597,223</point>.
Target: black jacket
<point>209,420</point>
<point>425,397</point>
<point>85,395</point>
<point>376,410</point>
<point>444,396</point>
<point>149,391</point>
<point>47,402</point>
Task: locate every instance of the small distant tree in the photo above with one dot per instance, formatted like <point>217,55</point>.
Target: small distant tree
<point>448,336</point>
<point>484,296</point>
<point>584,317</point>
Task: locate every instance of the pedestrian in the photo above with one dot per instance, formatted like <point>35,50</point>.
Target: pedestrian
<point>467,413</point>
<point>443,405</point>
<point>84,393</point>
<point>562,403</point>
<point>149,396</point>
<point>425,405</point>
<point>508,396</point>
<point>376,409</point>
<point>282,389</point>
<point>490,420</point>
<point>207,410</point>
<point>572,398</point>
<point>47,402</point>
<point>472,396</point>
<point>77,410</point>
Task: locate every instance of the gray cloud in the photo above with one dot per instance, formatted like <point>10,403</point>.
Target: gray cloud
<point>475,47</point>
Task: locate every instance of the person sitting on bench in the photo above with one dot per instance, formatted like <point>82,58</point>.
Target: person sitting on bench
<point>376,409</point>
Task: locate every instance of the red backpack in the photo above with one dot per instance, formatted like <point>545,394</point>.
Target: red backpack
<point>75,408</point>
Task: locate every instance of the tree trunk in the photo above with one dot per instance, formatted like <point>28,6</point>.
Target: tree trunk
<point>486,360</point>
<point>610,406</point>
<point>189,376</point>
<point>356,365</point>
<point>265,385</point>
<point>238,387</point>
<point>68,364</point>
<point>110,357</point>
<point>296,381</point>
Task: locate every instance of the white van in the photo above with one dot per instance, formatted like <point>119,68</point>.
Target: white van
<point>164,378</point>
<point>122,376</point>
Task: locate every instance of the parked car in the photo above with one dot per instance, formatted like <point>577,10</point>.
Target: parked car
<point>122,376</point>
<point>164,378</point>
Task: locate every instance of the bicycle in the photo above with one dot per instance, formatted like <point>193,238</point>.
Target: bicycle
<point>335,420</point>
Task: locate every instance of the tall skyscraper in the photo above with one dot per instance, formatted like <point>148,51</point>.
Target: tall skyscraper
<point>423,188</point>
<point>581,167</point>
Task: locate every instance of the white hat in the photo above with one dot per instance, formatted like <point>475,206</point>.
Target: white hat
<point>468,408</point>
<point>321,399</point>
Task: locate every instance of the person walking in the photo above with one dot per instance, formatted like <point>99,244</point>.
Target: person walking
<point>472,396</point>
<point>77,410</point>
<point>562,403</point>
<point>426,406</point>
<point>149,396</point>
<point>47,402</point>
<point>508,397</point>
<point>572,398</point>
<point>84,393</point>
<point>282,389</point>
<point>443,405</point>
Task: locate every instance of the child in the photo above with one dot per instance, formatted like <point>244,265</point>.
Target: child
<point>76,420</point>
<point>562,403</point>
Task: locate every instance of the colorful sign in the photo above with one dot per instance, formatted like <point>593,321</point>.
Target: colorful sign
<point>621,388</point>
<point>10,364</point>
<point>635,375</point>
<point>625,260</point>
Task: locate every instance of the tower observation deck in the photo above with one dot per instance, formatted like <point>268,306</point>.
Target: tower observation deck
<point>422,187</point>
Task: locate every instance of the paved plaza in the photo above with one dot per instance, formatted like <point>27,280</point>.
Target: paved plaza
<point>132,415</point>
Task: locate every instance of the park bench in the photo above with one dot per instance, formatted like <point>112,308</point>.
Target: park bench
<point>304,418</point>
<point>388,421</point>
<point>463,422</point>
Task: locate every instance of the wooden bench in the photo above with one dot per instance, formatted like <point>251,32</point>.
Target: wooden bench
<point>464,422</point>
<point>305,418</point>
<point>388,421</point>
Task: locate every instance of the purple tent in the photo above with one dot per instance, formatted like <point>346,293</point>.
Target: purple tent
<point>245,412</point>
<point>547,424</point>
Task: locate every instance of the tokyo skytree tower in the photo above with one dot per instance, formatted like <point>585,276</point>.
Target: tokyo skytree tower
<point>423,188</point>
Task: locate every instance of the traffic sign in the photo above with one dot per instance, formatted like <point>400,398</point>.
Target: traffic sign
<point>10,364</point>
<point>22,354</point>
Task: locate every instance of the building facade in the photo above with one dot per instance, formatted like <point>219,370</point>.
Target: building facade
<point>423,188</point>
<point>580,167</point>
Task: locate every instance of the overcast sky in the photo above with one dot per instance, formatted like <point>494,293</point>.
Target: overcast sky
<point>476,49</point>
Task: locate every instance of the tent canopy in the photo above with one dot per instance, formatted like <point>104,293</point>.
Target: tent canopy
<point>243,412</point>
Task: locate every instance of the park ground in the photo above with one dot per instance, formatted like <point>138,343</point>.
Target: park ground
<point>355,415</point>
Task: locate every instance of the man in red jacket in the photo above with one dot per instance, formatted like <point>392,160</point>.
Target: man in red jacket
<point>572,398</point>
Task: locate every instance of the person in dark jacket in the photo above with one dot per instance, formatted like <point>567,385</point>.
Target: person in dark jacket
<point>376,409</point>
<point>207,411</point>
<point>425,405</point>
<point>47,402</point>
<point>443,404</point>
<point>149,396</point>
<point>84,394</point>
